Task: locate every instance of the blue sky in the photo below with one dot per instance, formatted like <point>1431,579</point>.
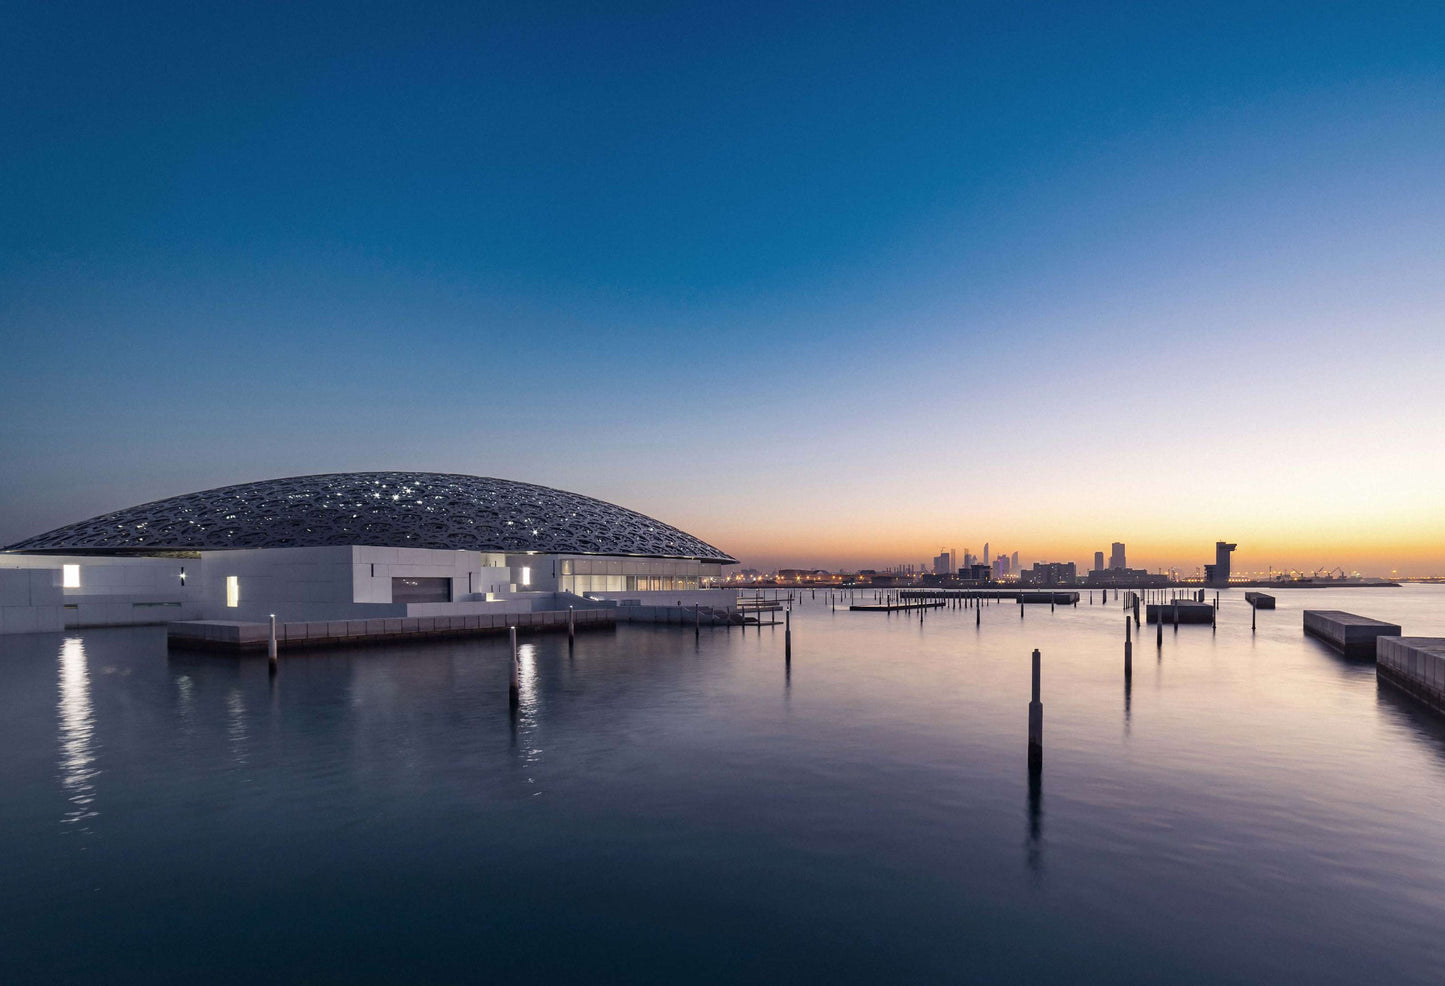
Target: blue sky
<point>949,269</point>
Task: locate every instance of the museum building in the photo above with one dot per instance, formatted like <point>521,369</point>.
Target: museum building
<point>354,546</point>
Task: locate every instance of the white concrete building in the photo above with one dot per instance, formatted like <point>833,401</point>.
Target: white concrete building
<point>355,546</point>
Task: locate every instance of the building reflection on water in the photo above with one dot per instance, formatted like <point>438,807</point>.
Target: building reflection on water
<point>77,734</point>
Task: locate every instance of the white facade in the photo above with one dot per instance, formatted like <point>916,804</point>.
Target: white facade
<point>47,592</point>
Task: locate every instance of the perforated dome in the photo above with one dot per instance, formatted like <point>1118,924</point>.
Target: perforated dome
<point>386,509</point>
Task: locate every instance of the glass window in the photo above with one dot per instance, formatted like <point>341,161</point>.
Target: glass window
<point>70,576</point>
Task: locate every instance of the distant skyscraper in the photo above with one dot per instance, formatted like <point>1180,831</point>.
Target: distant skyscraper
<point>985,553</point>
<point>1016,567</point>
<point>942,565</point>
<point>1116,556</point>
<point>1098,561</point>
<point>954,559</point>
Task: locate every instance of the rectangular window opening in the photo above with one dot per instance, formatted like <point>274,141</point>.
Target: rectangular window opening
<point>233,591</point>
<point>421,590</point>
<point>70,576</point>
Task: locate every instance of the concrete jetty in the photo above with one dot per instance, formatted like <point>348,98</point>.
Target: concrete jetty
<point>1189,612</point>
<point>1416,665</point>
<point>1351,635</point>
<point>237,637</point>
<point>1259,600</point>
<point>1048,598</point>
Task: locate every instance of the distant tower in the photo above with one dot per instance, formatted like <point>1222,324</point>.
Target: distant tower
<point>985,552</point>
<point>1098,561</point>
<point>1116,555</point>
<point>1016,562</point>
<point>1218,573</point>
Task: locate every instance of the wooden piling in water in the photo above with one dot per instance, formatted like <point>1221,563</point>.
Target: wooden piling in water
<point>1036,720</point>
<point>271,647</point>
<point>1128,649</point>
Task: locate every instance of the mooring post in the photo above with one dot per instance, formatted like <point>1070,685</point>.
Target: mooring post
<point>271,646</point>
<point>514,690</point>
<point>1253,609</point>
<point>1128,649</point>
<point>1036,721</point>
<point>696,621</point>
<point>1176,616</point>
<point>788,635</point>
<point>571,627</point>
<point>1159,625</point>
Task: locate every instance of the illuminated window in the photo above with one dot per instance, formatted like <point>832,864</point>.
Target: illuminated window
<point>70,576</point>
<point>233,591</point>
<point>526,575</point>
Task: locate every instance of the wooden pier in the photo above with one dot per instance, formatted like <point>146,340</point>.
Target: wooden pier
<point>896,607</point>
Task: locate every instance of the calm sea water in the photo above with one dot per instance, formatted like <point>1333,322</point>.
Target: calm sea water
<point>1251,808</point>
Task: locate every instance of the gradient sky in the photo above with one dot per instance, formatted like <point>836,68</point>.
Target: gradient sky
<point>823,284</point>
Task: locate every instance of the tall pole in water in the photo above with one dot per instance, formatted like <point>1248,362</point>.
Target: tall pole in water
<point>1036,721</point>
<point>1128,648</point>
<point>1159,625</point>
<point>271,647</point>
<point>788,636</point>
<point>571,627</point>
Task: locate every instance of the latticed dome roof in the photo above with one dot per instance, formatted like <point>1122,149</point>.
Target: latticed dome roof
<point>386,509</point>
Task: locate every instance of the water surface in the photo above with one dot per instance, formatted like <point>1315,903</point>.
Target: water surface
<point>1249,808</point>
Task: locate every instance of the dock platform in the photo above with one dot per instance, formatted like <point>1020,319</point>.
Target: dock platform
<point>236,637</point>
<point>1351,635</point>
<point>1189,612</point>
<point>1416,665</point>
<point>896,607</point>
<point>1259,600</point>
<point>1048,597</point>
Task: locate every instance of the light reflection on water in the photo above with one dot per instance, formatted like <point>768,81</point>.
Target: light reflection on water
<point>1251,808</point>
<point>77,735</point>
